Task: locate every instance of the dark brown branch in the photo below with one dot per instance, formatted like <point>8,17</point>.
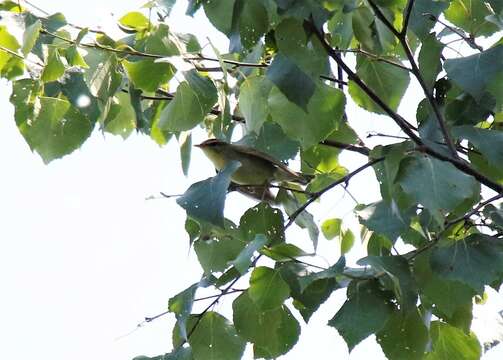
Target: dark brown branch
<point>340,83</point>
<point>469,40</point>
<point>318,194</point>
<point>473,211</point>
<point>402,38</point>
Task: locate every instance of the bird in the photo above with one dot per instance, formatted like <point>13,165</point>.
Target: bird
<point>257,167</point>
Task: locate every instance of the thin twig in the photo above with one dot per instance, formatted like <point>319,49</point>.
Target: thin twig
<point>350,147</point>
<point>319,193</point>
<point>473,211</point>
<point>470,41</point>
<point>406,17</point>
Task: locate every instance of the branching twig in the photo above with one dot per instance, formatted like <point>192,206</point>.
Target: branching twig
<point>473,211</point>
<point>402,38</point>
<point>402,123</point>
<point>469,40</point>
<point>319,193</point>
<point>350,147</point>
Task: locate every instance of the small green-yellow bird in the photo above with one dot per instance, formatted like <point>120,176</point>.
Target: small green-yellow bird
<point>257,168</point>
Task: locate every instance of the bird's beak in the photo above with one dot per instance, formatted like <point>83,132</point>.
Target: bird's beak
<point>198,145</point>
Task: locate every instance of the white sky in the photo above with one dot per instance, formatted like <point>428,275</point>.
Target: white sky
<point>84,257</point>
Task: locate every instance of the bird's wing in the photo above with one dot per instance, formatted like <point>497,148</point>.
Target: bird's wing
<point>257,153</point>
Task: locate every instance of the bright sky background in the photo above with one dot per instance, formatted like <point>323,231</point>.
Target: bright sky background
<point>84,257</point>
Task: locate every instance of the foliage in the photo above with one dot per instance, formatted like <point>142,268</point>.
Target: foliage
<point>286,84</point>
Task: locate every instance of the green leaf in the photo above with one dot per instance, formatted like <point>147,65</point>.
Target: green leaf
<point>267,289</point>
<point>488,142</point>
<point>181,306</point>
<point>421,24</point>
<point>74,87</point>
<point>193,100</point>
<point>370,32</point>
<point>347,241</point>
<point>215,338</point>
<point>254,24</point>
<point>282,252</point>
<point>404,337</point>
<point>185,151</point>
<point>135,20</point>
<point>205,200</point>
<point>365,312</point>
<point>331,228</point>
<point>402,282</point>
<point>386,80</point>
<point>52,127</point>
<point>287,76</point>
<point>244,260</point>
<point>54,67</point>
<point>273,332</point>
<point>8,41</point>
<point>470,16</point>
<point>263,219</point>
<point>30,37</point>
<point>180,353</point>
<point>474,73</point>
<point>324,112</point>
<point>102,77</point>
<point>273,141</point>
<point>340,26</point>
<point>253,95</point>
<point>160,42</point>
<point>148,75</point>
<point>429,60</point>
<point>451,343</point>
<point>216,255</point>
<point>220,14</point>
<point>121,119</point>
<point>385,218</point>
<point>74,58</point>
<point>448,296</point>
<point>475,261</point>
<point>436,184</point>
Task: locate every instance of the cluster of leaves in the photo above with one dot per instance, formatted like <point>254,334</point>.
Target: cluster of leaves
<point>276,83</point>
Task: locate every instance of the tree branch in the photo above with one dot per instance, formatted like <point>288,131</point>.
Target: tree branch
<point>350,147</point>
<point>473,211</point>
<point>319,193</point>
<point>470,41</point>
<point>406,17</point>
<point>402,38</point>
<point>401,122</point>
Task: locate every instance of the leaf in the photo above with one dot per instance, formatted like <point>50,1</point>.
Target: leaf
<point>273,141</point>
<point>470,16</point>
<point>448,296</point>
<point>263,219</point>
<point>475,261</point>
<point>365,312</point>
<point>436,184</point>
<point>193,100</point>
<point>54,67</point>
<point>404,337</point>
<point>347,241</point>
<point>135,20</point>
<point>488,142</point>
<point>331,228</point>
<point>254,92</point>
<point>74,58</point>
<point>121,118</point>
<point>30,37</point>
<point>267,288</point>
<point>215,255</point>
<point>148,75</point>
<point>180,353</point>
<point>429,60</point>
<point>220,14</point>
<point>370,32</point>
<point>385,218</point>
<point>474,73</point>
<point>402,282</point>
<point>160,42</point>
<point>287,76</point>
<point>324,112</point>
<point>273,332</point>
<point>74,87</point>
<point>386,80</point>
<point>47,128</point>
<point>243,260</point>
<point>451,343</point>
<point>8,41</point>
<point>282,252</point>
<point>185,151</point>
<point>215,338</point>
<point>102,77</point>
<point>421,24</point>
<point>254,24</point>
<point>205,200</point>
<point>181,306</point>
